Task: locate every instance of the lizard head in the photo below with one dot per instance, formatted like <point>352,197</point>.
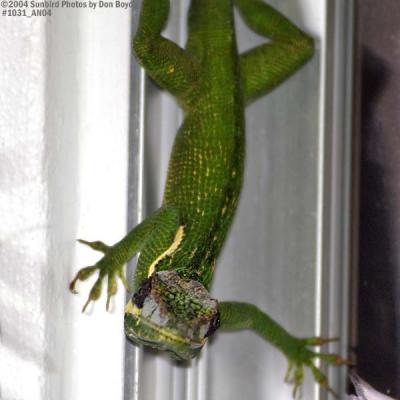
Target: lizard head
<point>172,314</point>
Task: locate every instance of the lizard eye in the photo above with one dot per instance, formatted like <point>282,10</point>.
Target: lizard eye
<point>172,314</point>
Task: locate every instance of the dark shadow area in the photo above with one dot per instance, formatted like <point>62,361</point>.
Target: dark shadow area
<point>376,351</point>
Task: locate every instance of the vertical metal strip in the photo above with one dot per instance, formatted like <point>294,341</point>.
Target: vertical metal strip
<point>321,186</point>
<point>335,172</point>
<point>134,354</point>
<point>138,351</point>
<point>341,212</point>
<point>321,174</point>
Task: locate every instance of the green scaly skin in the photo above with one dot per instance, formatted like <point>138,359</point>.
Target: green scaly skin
<point>212,83</point>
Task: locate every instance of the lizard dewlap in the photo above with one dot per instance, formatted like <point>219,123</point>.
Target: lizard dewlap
<point>172,314</point>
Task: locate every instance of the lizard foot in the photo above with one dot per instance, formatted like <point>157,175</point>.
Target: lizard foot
<point>299,356</point>
<point>109,266</point>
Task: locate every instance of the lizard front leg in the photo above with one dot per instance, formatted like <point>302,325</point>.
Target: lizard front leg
<point>157,232</point>
<point>238,316</point>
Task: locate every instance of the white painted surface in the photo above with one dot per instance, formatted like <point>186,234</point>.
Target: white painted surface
<point>23,207</point>
<point>64,102</point>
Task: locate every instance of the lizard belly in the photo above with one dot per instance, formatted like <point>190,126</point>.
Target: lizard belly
<point>204,182</point>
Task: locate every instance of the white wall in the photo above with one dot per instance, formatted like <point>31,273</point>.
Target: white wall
<point>64,102</point>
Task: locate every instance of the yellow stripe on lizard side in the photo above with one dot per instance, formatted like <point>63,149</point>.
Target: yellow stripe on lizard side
<point>174,246</point>
<point>131,308</point>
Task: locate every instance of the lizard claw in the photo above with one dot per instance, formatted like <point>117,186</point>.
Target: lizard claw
<point>97,245</point>
<point>109,266</point>
<point>295,376</point>
<point>301,356</point>
<point>82,275</point>
<point>94,294</point>
<point>319,341</point>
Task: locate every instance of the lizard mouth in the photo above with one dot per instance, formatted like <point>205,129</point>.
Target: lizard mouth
<point>171,314</point>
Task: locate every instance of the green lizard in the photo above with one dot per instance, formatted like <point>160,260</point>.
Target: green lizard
<point>171,309</point>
